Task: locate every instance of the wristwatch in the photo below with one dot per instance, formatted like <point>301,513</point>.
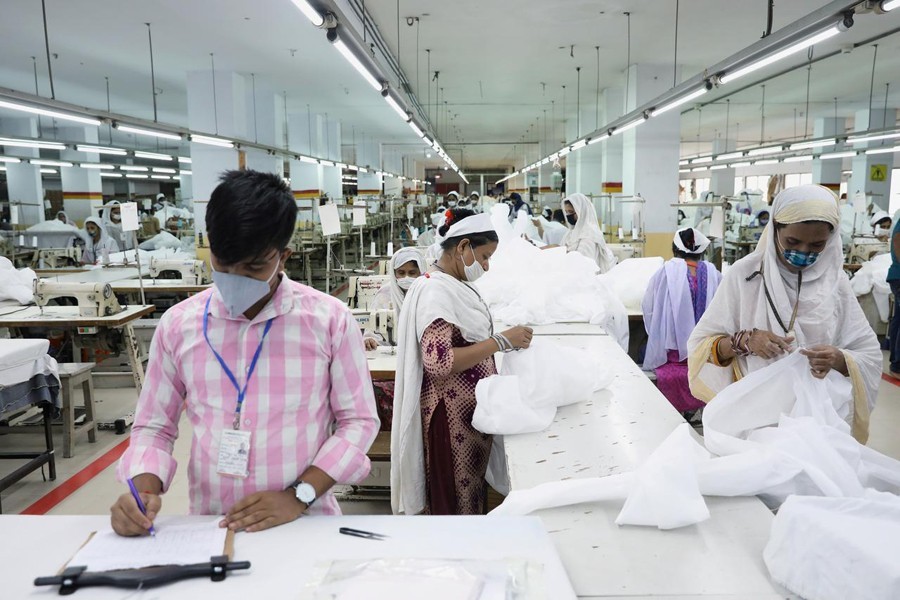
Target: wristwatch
<point>304,492</point>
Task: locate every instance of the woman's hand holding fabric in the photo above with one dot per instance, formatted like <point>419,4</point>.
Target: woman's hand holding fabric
<point>519,337</point>
<point>766,344</point>
<point>824,358</point>
<point>371,343</point>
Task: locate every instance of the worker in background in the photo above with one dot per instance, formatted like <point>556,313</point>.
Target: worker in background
<point>893,279</point>
<point>270,438</point>
<point>97,244</point>
<point>62,218</point>
<point>790,293</point>
<point>112,221</point>
<point>447,345</point>
<point>519,204</point>
<point>160,201</point>
<point>451,199</point>
<point>584,235</point>
<point>406,265</point>
<point>881,225</point>
<point>547,213</point>
<point>681,217</point>
<point>676,298</point>
<point>552,231</point>
<point>475,201</point>
<point>762,219</point>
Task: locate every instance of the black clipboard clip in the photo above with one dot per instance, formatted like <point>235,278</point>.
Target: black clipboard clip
<point>74,578</point>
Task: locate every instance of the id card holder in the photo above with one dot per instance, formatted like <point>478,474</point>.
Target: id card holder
<point>234,453</point>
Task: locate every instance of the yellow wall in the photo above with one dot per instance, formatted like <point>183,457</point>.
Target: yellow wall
<point>658,244</point>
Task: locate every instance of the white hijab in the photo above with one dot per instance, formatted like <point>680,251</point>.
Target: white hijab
<point>400,258</point>
<point>828,311</point>
<point>432,297</point>
<point>585,236</point>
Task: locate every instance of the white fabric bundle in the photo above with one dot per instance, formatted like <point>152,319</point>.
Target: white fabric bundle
<point>836,548</point>
<point>628,280</point>
<point>16,285</point>
<point>53,226</point>
<point>161,240</point>
<point>526,285</point>
<point>872,277</point>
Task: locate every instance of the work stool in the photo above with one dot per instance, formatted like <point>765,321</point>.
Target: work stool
<point>71,375</point>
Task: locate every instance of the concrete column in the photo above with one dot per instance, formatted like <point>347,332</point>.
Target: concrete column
<point>610,150</point>
<point>262,104</point>
<point>82,188</point>
<point>872,172</point>
<point>548,176</point>
<point>828,172</point>
<point>368,155</point>
<point>722,180</point>
<point>391,161</point>
<point>223,113</point>
<point>650,158</point>
<point>584,168</point>
<point>330,143</point>
<point>306,174</point>
<point>23,179</point>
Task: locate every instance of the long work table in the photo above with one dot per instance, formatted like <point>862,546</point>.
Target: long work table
<point>614,432</point>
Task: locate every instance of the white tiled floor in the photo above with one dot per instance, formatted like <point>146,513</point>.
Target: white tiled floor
<point>96,496</point>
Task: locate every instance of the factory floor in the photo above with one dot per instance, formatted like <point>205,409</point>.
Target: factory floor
<point>86,483</point>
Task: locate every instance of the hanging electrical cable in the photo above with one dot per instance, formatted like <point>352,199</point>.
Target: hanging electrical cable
<point>809,57</point>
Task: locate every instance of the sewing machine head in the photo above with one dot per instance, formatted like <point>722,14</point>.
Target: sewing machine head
<point>384,323</point>
<point>57,258</point>
<point>193,272</point>
<point>865,248</point>
<point>751,234</point>
<point>94,299</point>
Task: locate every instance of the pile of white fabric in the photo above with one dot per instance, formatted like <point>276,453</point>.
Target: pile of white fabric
<point>17,285</point>
<point>53,226</point>
<point>128,257</point>
<point>161,241</point>
<point>526,285</point>
<point>629,279</point>
<point>169,211</point>
<point>872,277</point>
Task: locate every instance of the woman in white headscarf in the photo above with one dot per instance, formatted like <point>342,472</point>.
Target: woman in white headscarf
<point>677,296</point>
<point>406,265</point>
<point>584,235</point>
<point>96,241</point>
<point>790,292</point>
<point>447,345</point>
<point>112,221</point>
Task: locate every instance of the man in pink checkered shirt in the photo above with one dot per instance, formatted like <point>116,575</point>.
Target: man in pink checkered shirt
<point>272,375</point>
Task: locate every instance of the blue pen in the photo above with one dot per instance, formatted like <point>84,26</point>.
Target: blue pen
<point>137,498</point>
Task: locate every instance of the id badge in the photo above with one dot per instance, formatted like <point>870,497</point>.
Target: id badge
<point>234,453</point>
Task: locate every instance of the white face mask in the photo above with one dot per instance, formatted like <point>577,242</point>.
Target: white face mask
<point>240,292</point>
<point>405,282</point>
<point>475,270</point>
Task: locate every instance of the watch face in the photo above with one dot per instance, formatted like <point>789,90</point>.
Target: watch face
<point>306,493</point>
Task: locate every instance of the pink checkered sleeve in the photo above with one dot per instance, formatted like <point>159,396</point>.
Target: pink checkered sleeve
<point>352,400</point>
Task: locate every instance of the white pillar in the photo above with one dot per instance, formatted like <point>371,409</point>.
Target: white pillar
<point>828,172</point>
<point>722,180</point>
<point>82,188</point>
<point>331,146</point>
<point>23,180</point>
<point>611,155</point>
<point>261,104</point>
<point>872,172</point>
<point>368,185</point>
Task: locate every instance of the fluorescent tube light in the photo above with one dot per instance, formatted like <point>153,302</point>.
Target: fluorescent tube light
<point>49,113</point>
<point>326,163</point>
<point>397,108</point>
<point>188,173</point>
<point>730,155</point>
<point>883,150</point>
<point>132,168</point>
<point>771,161</point>
<point>148,132</point>
<point>793,159</point>
<point>718,167</point>
<point>96,166</point>
<point>697,169</point>
<point>212,141</point>
<point>314,16</point>
<point>683,100</point>
<point>773,58</point>
<point>873,138</point>
<point>766,150</point>
<point>353,167</point>
<point>110,175</point>
<point>837,155</point>
<point>599,138</point>
<point>428,141</point>
<point>151,155</point>
<point>136,176</point>
<point>166,177</point>
<point>184,159</point>
<point>31,144</point>
<point>702,160</point>
<point>163,170</point>
<point>736,165</point>
<point>889,5</point>
<point>415,128</point>
<point>579,145</point>
<point>812,144</point>
<point>361,68</point>
<point>684,162</point>
<point>308,159</point>
<point>629,125</point>
<point>2,169</point>
<point>178,178</point>
<point>100,150</point>
<point>50,163</point>
<point>10,159</point>
<point>564,152</point>
<point>48,171</point>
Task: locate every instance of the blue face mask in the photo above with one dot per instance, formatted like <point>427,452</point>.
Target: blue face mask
<point>239,292</point>
<point>801,260</point>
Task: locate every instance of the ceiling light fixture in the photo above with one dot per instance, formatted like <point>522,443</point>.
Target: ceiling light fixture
<point>166,177</point>
<point>163,170</point>
<point>353,167</point>
<point>812,144</point>
<point>314,16</point>
<point>736,165</point>
<point>31,144</point>
<point>184,159</point>
<point>110,175</point>
<point>872,138</point>
<point>599,138</point>
<point>793,159</point>
<point>718,167</point>
<point>629,125</point>
<point>357,64</point>
<point>212,141</point>
<point>132,168</point>
<point>188,173</point>
<point>702,160</point>
<point>100,150</point>
<point>10,159</point>
<point>697,169</point>
<point>837,155</point>
<point>49,171</point>
<point>326,163</point>
<point>136,176</point>
<point>771,161</point>
<point>678,102</point>
<point>730,155</point>
<point>50,163</point>
<point>50,113</point>
<point>883,150</point>
<point>308,160</point>
<point>401,112</point>
<point>415,128</point>
<point>148,132</point>
<point>96,166</point>
<point>766,150</point>
<point>151,155</point>
<point>803,44</point>
<point>889,5</point>
<point>579,145</point>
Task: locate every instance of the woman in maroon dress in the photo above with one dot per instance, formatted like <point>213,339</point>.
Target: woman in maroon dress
<point>447,345</point>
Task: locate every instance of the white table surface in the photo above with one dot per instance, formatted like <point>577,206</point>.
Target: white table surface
<point>558,328</point>
<point>105,275</point>
<point>382,360</point>
<point>613,433</point>
<point>152,285</point>
<point>284,559</point>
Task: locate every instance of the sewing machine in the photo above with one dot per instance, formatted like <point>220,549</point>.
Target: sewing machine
<point>193,272</point>
<point>750,234</point>
<point>625,251</point>
<point>362,290</point>
<point>865,248</point>
<point>93,299</point>
<point>56,258</point>
<point>384,323</point>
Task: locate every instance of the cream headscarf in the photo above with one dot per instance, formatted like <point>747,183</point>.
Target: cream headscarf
<point>585,236</point>
<point>828,312</point>
<point>400,258</point>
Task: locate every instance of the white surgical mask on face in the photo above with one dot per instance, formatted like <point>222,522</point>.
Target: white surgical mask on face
<point>475,270</point>
<point>239,292</point>
<point>405,282</point>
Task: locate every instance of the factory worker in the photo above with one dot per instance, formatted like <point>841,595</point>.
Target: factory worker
<point>112,221</point>
<point>552,231</point>
<point>96,242</point>
<point>791,292</point>
<point>406,265</point>
<point>893,279</point>
<point>681,217</point>
<point>676,298</point>
<point>452,199</point>
<point>762,218</point>
<point>518,204</point>
<point>584,235</point>
<point>447,345</point>
<point>270,373</point>
<point>62,218</point>
<point>881,224</point>
<point>475,201</point>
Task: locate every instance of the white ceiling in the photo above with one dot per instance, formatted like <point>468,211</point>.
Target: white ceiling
<point>493,57</point>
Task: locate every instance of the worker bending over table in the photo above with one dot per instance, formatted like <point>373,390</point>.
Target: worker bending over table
<point>272,375</point>
<point>790,292</point>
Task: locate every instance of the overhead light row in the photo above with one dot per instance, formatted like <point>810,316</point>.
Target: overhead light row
<point>789,159</point>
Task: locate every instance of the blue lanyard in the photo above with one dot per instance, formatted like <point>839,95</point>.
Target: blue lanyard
<point>241,392</point>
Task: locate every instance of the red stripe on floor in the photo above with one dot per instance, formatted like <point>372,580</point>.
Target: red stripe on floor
<point>890,379</point>
<point>73,484</point>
